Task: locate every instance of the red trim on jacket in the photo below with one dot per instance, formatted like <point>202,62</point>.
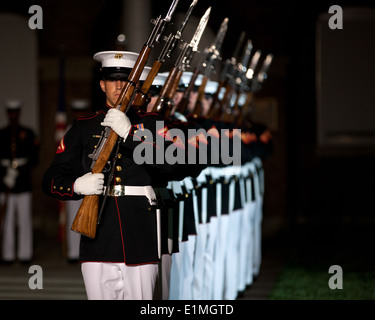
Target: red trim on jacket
<point>61,194</point>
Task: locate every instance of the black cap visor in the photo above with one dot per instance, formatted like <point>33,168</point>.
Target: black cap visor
<point>115,73</point>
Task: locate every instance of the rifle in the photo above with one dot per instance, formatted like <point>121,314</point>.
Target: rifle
<point>262,74</point>
<point>234,83</point>
<point>245,90</point>
<point>86,218</point>
<point>169,46</point>
<point>164,103</point>
<point>226,74</point>
<point>256,84</point>
<point>212,54</point>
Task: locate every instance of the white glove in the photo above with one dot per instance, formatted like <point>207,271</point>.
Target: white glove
<point>118,121</point>
<point>10,177</point>
<point>89,184</point>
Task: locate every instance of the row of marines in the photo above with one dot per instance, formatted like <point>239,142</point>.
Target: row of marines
<point>194,226</point>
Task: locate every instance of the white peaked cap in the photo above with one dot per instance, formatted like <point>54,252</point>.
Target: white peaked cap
<point>13,104</point>
<point>186,76</point>
<point>80,104</point>
<point>211,87</point>
<point>160,79</point>
<point>120,59</point>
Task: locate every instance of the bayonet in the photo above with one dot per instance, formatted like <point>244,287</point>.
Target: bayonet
<point>241,66</point>
<point>235,84</point>
<point>171,10</point>
<point>246,57</point>
<point>168,48</point>
<point>160,25</point>
<point>253,63</point>
<point>213,53</point>
<point>188,49</point>
<point>178,35</point>
<point>230,64</point>
<point>199,32</point>
<point>216,46</point>
<point>262,74</point>
<point>186,55</point>
<point>256,82</point>
<point>237,50</point>
<point>207,63</point>
<point>203,63</point>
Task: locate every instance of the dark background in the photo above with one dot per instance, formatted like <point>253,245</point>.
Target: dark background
<point>303,186</point>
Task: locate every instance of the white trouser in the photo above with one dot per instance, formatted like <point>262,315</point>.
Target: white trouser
<point>220,252</point>
<point>166,266</point>
<point>186,281</point>
<point>175,276</point>
<point>117,281</point>
<point>209,276</point>
<point>72,238</point>
<point>258,225</point>
<point>18,211</point>
<point>176,267</point>
<point>200,249</point>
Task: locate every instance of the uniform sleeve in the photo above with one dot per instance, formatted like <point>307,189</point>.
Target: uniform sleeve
<point>58,179</point>
<point>31,152</point>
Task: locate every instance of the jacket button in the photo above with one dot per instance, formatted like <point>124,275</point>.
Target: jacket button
<point>119,155</point>
<point>118,179</point>
<point>118,168</point>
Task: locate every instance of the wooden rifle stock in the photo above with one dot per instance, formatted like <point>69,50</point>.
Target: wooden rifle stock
<point>164,102</point>
<point>201,93</point>
<point>225,102</point>
<point>86,218</point>
<point>182,105</point>
<point>215,104</point>
<point>141,97</point>
<point>245,113</point>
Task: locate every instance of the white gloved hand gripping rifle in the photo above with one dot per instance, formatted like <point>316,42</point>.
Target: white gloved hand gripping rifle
<point>118,122</point>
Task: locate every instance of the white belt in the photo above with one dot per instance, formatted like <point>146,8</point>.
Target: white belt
<point>120,190</point>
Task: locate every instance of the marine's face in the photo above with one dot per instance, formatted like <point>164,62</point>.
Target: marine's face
<point>13,116</point>
<point>177,97</point>
<point>112,90</point>
<point>152,102</point>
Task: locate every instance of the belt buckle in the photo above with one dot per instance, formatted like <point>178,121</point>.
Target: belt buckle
<point>118,191</point>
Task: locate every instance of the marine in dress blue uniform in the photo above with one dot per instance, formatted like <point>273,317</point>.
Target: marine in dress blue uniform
<point>19,150</point>
<point>124,253</point>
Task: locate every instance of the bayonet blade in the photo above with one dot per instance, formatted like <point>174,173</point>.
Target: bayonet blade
<point>253,63</point>
<point>172,40</point>
<point>199,31</point>
<point>246,56</point>
<point>238,47</point>
<point>221,35</point>
<point>186,18</point>
<point>171,10</point>
<point>262,75</point>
